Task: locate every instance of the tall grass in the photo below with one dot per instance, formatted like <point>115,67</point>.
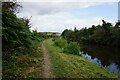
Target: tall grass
<point>71,47</point>
<point>61,42</point>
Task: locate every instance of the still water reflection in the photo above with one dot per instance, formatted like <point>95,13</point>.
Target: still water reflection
<point>105,56</point>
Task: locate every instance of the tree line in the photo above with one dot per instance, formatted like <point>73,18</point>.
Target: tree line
<point>106,34</point>
<point>16,34</point>
<point>17,42</point>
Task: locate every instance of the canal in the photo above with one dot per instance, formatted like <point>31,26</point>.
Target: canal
<point>105,56</point>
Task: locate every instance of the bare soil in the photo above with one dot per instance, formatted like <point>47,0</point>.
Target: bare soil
<point>46,64</point>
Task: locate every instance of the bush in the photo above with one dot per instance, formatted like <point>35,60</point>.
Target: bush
<point>72,48</point>
<point>60,42</point>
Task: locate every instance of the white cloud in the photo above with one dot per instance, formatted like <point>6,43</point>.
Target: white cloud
<point>52,7</point>
<point>51,15</point>
<point>87,22</point>
<point>57,22</point>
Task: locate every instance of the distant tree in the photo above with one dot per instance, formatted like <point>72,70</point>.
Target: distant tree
<point>68,34</point>
<point>105,34</point>
<point>117,25</point>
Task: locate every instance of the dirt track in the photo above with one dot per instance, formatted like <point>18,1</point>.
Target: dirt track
<point>46,66</point>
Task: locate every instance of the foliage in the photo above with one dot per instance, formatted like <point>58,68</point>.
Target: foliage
<point>104,35</point>
<point>68,35</point>
<point>20,45</point>
<point>73,66</point>
<point>60,42</point>
<point>72,48</point>
<point>47,35</point>
<point>22,66</point>
<point>15,32</point>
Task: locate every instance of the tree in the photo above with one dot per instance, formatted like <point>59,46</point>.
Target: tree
<point>15,32</point>
<point>105,34</point>
<point>68,34</point>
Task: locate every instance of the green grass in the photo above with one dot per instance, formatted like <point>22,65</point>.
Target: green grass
<point>23,66</point>
<point>73,66</point>
<point>60,42</point>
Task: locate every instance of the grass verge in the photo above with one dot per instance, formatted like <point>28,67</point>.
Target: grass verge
<point>73,66</point>
<point>23,65</point>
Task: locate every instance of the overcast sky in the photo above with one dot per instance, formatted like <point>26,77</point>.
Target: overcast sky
<point>57,15</point>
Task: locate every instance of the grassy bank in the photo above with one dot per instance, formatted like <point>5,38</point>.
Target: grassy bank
<point>23,65</point>
<point>73,66</point>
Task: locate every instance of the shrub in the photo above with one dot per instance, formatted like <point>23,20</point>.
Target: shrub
<point>60,42</point>
<point>72,48</point>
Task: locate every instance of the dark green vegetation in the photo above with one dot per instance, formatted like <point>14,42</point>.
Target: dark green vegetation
<point>20,48</point>
<point>60,42</point>
<point>102,35</point>
<point>71,47</point>
<point>21,51</point>
<point>73,66</point>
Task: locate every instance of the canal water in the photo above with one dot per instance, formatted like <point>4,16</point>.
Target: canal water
<point>105,56</point>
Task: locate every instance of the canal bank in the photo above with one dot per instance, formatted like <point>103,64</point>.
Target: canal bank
<point>73,66</point>
<point>107,57</point>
